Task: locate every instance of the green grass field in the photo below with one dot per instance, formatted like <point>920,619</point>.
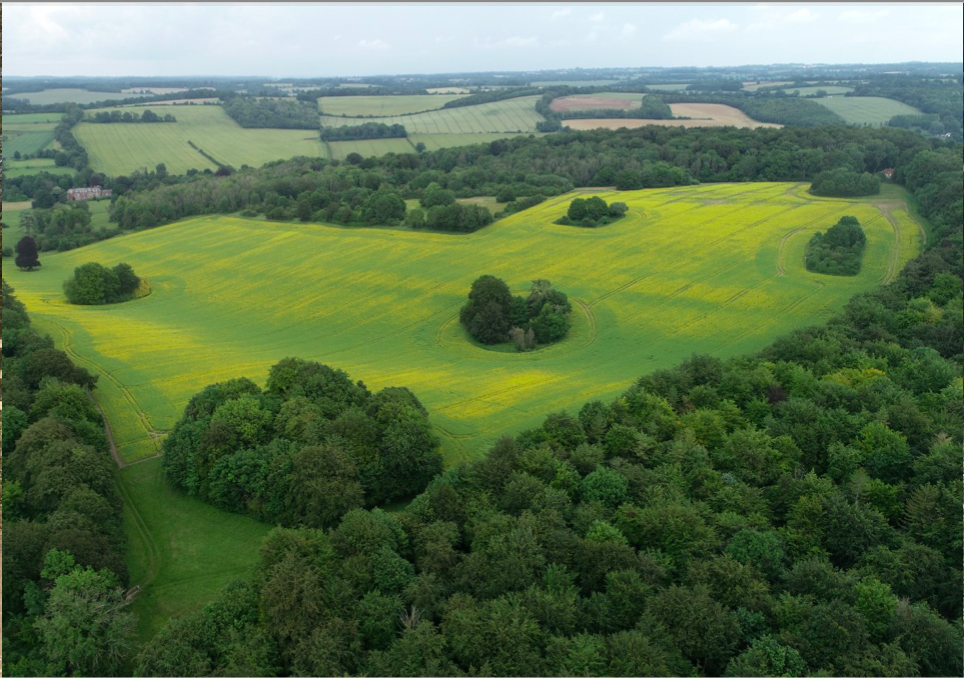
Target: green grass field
<point>181,550</point>
<point>511,115</point>
<point>71,95</point>
<point>712,269</point>
<point>19,168</point>
<point>867,110</point>
<point>396,104</point>
<point>26,142</point>
<point>31,118</point>
<point>118,148</point>
<point>369,147</point>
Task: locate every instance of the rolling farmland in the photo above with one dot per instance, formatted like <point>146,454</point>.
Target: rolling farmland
<point>701,115</point>
<point>434,142</point>
<point>511,115</point>
<point>867,110</point>
<point>19,168</point>
<point>583,102</point>
<point>69,95</point>
<point>396,104</point>
<point>118,148</point>
<point>713,269</point>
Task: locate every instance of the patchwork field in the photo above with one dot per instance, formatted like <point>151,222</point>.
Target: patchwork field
<point>69,94</point>
<point>712,269</point>
<point>397,104</point>
<point>701,115</point>
<point>511,115</point>
<point>28,132</point>
<point>669,87</point>
<point>585,102</point>
<point>118,148</point>
<point>18,168</point>
<point>867,110</point>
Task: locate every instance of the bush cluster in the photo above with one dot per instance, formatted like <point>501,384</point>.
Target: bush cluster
<point>493,316</point>
<point>839,250</point>
<point>94,283</point>
<point>592,212</point>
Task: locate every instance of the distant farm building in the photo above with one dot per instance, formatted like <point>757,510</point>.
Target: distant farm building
<point>888,172</point>
<point>88,193</point>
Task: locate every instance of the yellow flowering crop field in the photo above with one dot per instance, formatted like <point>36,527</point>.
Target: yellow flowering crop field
<point>714,269</point>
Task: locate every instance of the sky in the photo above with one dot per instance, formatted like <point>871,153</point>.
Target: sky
<point>345,39</point>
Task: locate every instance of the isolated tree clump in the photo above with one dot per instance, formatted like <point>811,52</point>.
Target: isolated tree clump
<point>27,256</point>
<point>844,183</point>
<point>492,315</point>
<point>592,212</point>
<point>839,250</point>
<point>94,283</point>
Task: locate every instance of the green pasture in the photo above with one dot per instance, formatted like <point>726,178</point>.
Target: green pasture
<point>181,550</point>
<point>510,115</point>
<point>120,148</point>
<point>25,141</point>
<point>13,211</point>
<point>714,269</point>
<point>69,95</point>
<point>30,118</point>
<point>382,105</point>
<point>18,168</point>
<point>867,110</point>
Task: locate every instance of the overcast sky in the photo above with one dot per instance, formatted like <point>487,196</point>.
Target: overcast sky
<point>305,40</point>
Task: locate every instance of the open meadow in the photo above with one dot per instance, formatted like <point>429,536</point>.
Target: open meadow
<point>866,110</point>
<point>119,148</point>
<point>393,104</point>
<point>712,269</point>
<point>510,115</point>
<point>69,95</point>
<point>699,115</point>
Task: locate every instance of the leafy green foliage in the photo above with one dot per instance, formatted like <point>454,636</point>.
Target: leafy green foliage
<point>492,315</point>
<point>274,112</point>
<point>366,130</point>
<point>592,212</point>
<point>839,250</point>
<point>94,284</point>
<point>844,183</point>
<point>309,448</point>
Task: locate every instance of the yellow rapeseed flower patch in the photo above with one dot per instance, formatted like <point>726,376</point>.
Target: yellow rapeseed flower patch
<point>714,269</point>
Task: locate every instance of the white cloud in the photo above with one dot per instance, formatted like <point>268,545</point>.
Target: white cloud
<point>699,29</point>
<point>857,16</point>
<point>629,29</point>
<point>377,44</point>
<point>559,14</point>
<point>598,18</point>
<point>772,19</point>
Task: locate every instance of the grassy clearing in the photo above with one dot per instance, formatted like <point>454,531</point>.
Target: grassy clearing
<point>19,168</point>
<point>712,269</point>
<point>369,147</point>
<point>700,115</point>
<point>71,95</point>
<point>182,551</point>
<point>867,110</point>
<point>511,115</point>
<point>26,142</point>
<point>389,104</point>
<point>584,102</point>
<point>119,148</point>
<point>30,118</point>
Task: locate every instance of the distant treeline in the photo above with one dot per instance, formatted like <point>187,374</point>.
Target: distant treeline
<point>128,116</point>
<point>367,130</point>
<point>487,97</point>
<point>781,110</point>
<point>279,113</point>
<point>652,107</point>
<point>845,183</point>
<point>941,97</point>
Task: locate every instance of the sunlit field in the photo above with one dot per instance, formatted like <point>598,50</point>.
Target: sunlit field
<point>712,269</point>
